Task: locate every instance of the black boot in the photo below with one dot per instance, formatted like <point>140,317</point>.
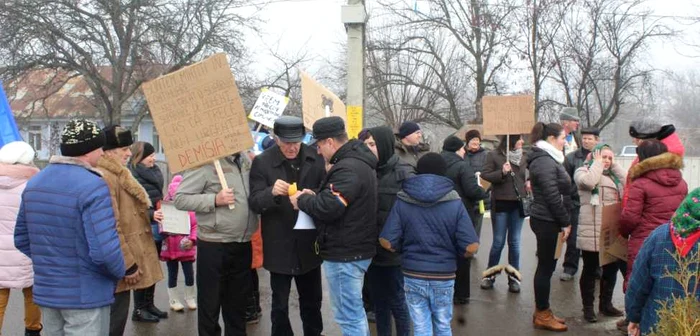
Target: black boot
<point>28,332</point>
<point>587,287</point>
<point>252,316</point>
<point>149,296</point>
<point>607,288</point>
<point>256,294</point>
<point>142,315</point>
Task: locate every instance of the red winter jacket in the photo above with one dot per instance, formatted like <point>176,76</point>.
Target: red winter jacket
<point>656,191</point>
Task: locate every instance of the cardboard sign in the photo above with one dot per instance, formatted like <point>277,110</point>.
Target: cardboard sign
<point>508,114</point>
<point>268,108</point>
<point>198,113</point>
<point>175,221</point>
<point>612,245</point>
<point>354,124</point>
<point>560,246</point>
<point>314,99</point>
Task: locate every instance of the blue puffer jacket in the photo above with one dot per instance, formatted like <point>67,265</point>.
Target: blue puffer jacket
<point>66,226</point>
<point>430,227</point>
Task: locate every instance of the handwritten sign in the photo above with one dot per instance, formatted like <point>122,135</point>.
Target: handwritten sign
<point>175,221</point>
<point>612,245</point>
<point>314,99</point>
<point>508,114</point>
<point>354,123</point>
<point>268,108</point>
<point>198,113</point>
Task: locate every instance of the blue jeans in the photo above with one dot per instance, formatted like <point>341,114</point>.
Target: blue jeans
<point>60,322</point>
<point>430,305</point>
<point>345,286</point>
<point>386,286</point>
<point>511,224</point>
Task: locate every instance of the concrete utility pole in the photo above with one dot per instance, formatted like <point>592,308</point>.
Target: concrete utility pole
<point>354,17</point>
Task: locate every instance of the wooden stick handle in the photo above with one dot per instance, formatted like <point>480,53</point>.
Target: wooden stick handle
<point>222,179</point>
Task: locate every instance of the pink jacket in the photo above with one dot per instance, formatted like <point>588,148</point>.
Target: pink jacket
<point>15,267</point>
<point>171,245</point>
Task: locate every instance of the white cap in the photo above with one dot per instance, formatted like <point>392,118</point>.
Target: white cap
<point>17,152</point>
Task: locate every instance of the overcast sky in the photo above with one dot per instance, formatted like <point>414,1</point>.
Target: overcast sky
<point>315,26</point>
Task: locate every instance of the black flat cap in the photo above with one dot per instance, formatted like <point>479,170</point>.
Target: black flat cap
<point>591,131</point>
<point>328,127</point>
<point>289,129</point>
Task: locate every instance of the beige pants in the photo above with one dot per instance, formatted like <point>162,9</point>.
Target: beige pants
<point>32,314</point>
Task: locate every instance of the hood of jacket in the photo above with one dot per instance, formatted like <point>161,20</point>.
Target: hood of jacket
<point>451,158</point>
<point>664,169</point>
<point>419,148</point>
<point>536,153</point>
<point>384,138</point>
<point>172,187</point>
<point>428,189</point>
<point>126,179</point>
<point>13,175</point>
<point>355,149</point>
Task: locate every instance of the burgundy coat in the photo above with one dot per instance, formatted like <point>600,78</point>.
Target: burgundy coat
<point>656,191</point>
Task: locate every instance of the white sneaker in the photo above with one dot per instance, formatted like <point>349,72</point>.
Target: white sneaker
<point>191,297</point>
<point>174,302</point>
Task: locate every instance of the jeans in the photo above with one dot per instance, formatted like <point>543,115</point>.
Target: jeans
<point>386,284</point>
<point>430,305</point>
<point>310,298</point>
<point>187,269</point>
<point>547,234</point>
<point>572,254</point>
<point>74,322</point>
<point>345,286</point>
<point>32,314</point>
<point>223,287</point>
<point>508,224</point>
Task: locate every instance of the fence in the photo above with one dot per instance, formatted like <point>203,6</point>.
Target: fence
<point>691,171</point>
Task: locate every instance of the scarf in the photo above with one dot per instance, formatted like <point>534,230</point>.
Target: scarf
<point>685,224</point>
<point>515,156</point>
<point>556,154</point>
<point>595,193</point>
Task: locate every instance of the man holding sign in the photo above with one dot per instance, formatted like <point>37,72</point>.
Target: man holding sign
<point>289,253</point>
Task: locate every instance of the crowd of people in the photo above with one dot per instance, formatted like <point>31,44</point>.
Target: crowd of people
<point>394,227</point>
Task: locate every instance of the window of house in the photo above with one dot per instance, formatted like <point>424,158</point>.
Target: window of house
<point>156,141</point>
<point>34,136</point>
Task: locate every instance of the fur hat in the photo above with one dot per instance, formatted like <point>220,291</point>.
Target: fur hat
<point>17,152</point>
<point>80,137</point>
<point>117,137</point>
<point>472,134</point>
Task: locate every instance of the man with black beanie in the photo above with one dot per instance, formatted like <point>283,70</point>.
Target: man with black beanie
<point>408,143</point>
<point>463,176</point>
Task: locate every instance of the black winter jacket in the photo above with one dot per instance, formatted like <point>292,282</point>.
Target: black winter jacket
<point>503,186</point>
<point>464,178</point>
<point>477,159</point>
<point>345,208</point>
<point>551,189</point>
<point>390,180</point>
<point>286,251</point>
<point>151,179</point>
<point>575,161</point>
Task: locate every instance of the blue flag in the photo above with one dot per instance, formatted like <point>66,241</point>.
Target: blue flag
<point>8,127</point>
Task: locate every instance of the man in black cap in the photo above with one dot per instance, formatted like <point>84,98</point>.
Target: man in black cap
<point>345,210</point>
<point>466,185</point>
<point>408,143</point>
<point>570,121</point>
<point>289,253</point>
<point>589,139</point>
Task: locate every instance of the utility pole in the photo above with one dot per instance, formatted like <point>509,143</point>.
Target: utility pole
<point>354,17</point>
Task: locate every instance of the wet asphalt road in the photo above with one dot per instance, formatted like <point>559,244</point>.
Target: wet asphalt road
<point>493,312</point>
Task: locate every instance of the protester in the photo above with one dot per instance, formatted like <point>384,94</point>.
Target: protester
<point>289,252</point>
<point>224,250</point>
<point>549,215</point>
<point>180,249</point>
<point>656,191</point>
<point>570,121</point>
<point>428,209</point>
<point>143,166</point>
<point>476,157</point>
<point>384,274</point>
<point>599,183</point>
<point>408,143</point>
<point>467,186</point>
<point>505,168</point>
<point>652,285</point>
<point>73,244</point>
<point>131,205</point>
<point>16,168</point>
<point>574,160</point>
<point>367,301</point>
<point>345,212</point>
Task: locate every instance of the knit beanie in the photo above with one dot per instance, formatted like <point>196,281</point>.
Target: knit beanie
<point>407,128</point>
<point>452,144</point>
<point>471,135</point>
<point>80,137</point>
<point>432,163</point>
<point>17,152</point>
<point>148,149</point>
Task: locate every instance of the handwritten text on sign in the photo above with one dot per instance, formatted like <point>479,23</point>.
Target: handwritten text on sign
<point>198,113</point>
<point>508,114</point>
<point>268,108</point>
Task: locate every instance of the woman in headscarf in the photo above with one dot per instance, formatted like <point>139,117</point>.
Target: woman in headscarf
<point>600,182</point>
<point>652,283</point>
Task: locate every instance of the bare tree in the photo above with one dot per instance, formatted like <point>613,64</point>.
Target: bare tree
<point>117,45</point>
